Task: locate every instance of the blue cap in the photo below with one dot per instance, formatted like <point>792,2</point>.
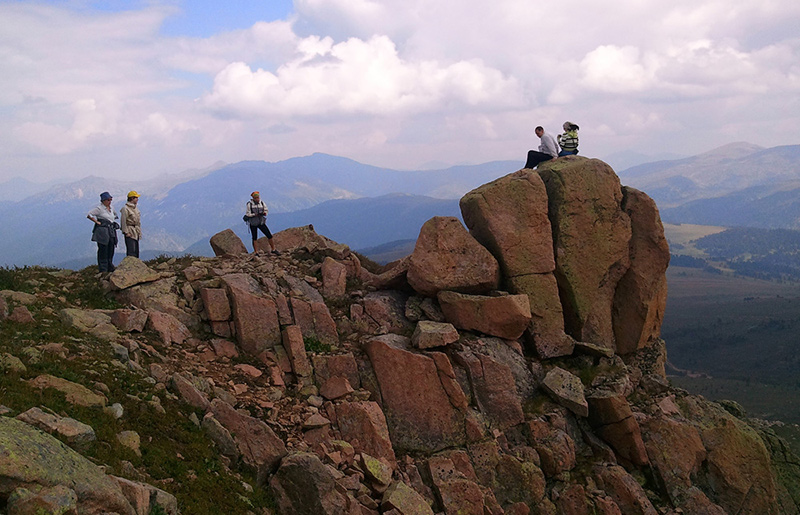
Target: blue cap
<point>105,196</point>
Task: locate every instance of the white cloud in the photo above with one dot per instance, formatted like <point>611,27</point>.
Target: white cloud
<point>359,77</point>
<point>395,83</point>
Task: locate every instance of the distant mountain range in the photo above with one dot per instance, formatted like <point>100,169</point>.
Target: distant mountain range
<point>719,172</point>
<point>50,227</point>
<point>366,207</point>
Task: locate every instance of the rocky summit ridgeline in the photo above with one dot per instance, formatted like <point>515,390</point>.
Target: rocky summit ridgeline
<point>511,366</point>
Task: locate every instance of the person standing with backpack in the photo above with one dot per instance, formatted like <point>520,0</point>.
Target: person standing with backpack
<point>256,217</point>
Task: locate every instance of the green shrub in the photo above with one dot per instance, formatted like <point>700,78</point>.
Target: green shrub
<point>312,344</point>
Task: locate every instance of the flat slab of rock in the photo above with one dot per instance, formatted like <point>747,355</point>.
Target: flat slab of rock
<point>505,316</point>
<point>93,322</point>
<point>433,334</point>
<point>168,327</point>
<point>33,457</point>
<point>130,272</point>
<point>73,431</point>
<point>446,257</point>
<point>74,393</point>
<point>305,239</point>
<point>405,500</point>
<point>566,389</point>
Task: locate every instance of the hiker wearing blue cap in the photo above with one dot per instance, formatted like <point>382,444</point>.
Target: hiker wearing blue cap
<point>104,232</point>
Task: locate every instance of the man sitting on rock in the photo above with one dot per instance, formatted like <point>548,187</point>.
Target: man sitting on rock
<point>547,149</point>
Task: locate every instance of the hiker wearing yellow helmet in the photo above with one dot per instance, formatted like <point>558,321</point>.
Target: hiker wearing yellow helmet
<point>131,224</point>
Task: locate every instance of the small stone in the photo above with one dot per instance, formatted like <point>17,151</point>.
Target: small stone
<point>11,364</point>
<point>433,334</point>
<point>316,421</point>
<point>567,390</point>
<point>131,440</point>
<point>115,410</point>
<point>248,370</point>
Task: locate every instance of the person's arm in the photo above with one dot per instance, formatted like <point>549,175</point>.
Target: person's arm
<point>550,146</point>
<point>93,216</point>
<point>249,210</point>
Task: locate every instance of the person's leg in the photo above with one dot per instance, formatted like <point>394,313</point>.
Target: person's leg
<point>535,157</point>
<point>130,247</point>
<point>268,234</point>
<point>102,263</point>
<point>254,233</point>
<point>136,249</point>
<point>111,266</point>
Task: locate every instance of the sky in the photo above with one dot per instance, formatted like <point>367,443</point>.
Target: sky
<point>137,89</point>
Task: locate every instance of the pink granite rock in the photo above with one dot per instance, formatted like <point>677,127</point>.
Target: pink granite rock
<point>216,304</point>
<point>446,257</point>
<point>506,316</point>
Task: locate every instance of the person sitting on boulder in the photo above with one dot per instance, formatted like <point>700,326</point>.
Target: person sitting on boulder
<point>569,140</point>
<point>256,217</point>
<point>547,149</point>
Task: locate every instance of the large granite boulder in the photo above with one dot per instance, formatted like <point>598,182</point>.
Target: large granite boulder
<point>446,257</point>
<point>226,243</point>
<point>419,411</point>
<point>509,216</point>
<point>31,457</point>
<point>641,294</point>
<point>590,234</point>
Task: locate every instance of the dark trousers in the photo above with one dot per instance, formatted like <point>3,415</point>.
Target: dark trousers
<point>535,157</point>
<point>105,257</point>
<point>254,231</point>
<point>131,247</point>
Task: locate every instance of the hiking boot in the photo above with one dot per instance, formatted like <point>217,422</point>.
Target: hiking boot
<point>276,252</point>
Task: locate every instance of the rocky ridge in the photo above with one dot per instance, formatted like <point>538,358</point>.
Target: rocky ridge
<point>513,366</point>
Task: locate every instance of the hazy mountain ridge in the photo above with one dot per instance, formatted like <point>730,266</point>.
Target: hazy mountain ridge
<point>760,187</point>
<point>716,173</point>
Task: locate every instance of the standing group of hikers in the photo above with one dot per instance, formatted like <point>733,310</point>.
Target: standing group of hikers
<point>548,148</point>
<point>105,228</point>
<point>105,218</point>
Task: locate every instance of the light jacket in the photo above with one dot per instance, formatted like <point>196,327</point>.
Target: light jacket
<point>568,141</point>
<point>256,212</point>
<point>131,221</point>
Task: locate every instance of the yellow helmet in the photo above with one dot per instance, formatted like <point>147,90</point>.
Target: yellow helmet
<point>132,194</point>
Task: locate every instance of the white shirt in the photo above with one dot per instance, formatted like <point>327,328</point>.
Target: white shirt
<point>100,212</point>
<point>548,145</point>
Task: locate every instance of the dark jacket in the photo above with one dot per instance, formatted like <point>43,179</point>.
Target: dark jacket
<point>105,233</point>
